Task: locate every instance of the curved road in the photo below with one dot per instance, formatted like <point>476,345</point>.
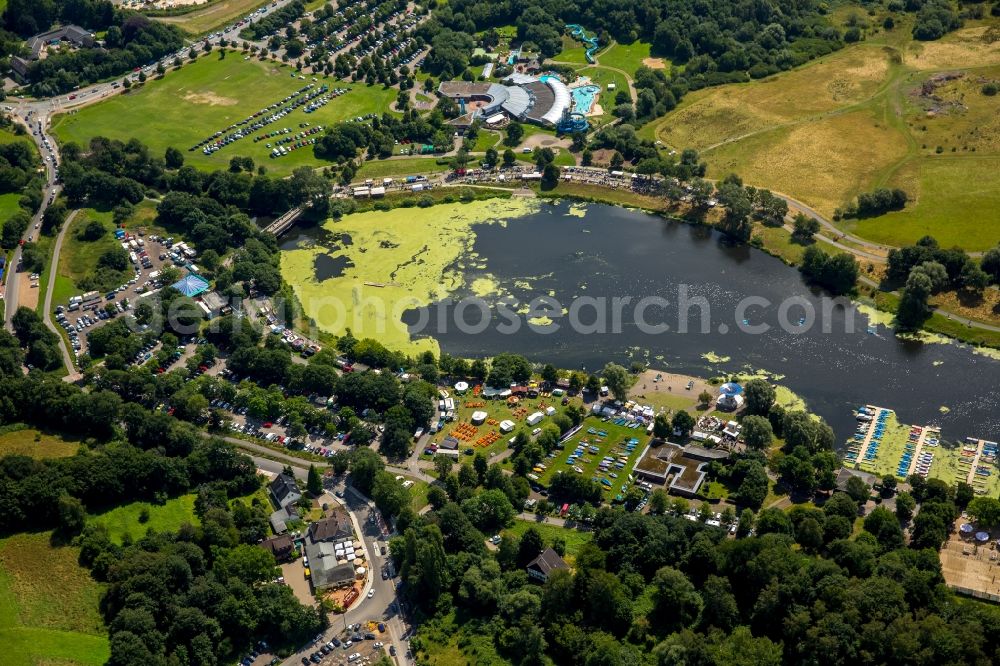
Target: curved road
<point>53,267</point>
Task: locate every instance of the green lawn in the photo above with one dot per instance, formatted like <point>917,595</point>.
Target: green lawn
<point>418,494</point>
<point>206,96</point>
<point>956,200</point>
<point>626,57</point>
<point>78,256</point>
<point>572,52</point>
<point>406,166</point>
<point>38,445</point>
<point>49,605</point>
<point>487,139</point>
<point>574,539</point>
<point>166,518</point>
<point>611,444</point>
<point>8,204</point>
<point>46,244</point>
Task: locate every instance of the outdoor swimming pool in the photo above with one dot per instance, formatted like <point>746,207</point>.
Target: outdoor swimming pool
<point>583,98</point>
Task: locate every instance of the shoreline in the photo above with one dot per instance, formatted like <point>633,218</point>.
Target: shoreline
<point>945,323</point>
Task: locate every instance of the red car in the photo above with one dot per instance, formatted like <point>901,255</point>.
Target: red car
<point>268,424</point>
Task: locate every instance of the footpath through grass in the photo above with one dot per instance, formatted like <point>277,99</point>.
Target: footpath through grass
<point>49,605</point>
<point>206,96</point>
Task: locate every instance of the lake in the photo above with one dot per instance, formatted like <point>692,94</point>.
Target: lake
<point>569,252</point>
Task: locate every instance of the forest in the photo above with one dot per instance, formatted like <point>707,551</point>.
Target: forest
<point>791,588</point>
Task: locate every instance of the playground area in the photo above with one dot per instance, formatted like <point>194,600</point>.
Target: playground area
<point>882,445</point>
<point>604,450</point>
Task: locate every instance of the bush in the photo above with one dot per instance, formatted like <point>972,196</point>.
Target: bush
<point>990,89</point>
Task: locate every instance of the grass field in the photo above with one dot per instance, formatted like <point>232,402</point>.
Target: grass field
<point>206,96</point>
<point>715,115</point>
<point>574,539</point>
<point>124,520</point>
<point>38,445</point>
<point>450,641</point>
<point>403,166</point>
<point>957,200</point>
<point>859,119</point>
<point>214,16</point>
<point>953,115</point>
<point>572,52</point>
<point>610,444</point>
<point>626,57</point>
<point>823,163</point>
<point>78,257</point>
<point>961,48</point>
<point>8,204</point>
<point>49,605</point>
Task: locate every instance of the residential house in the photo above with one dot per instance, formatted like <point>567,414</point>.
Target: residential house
<point>281,546</point>
<point>542,566</point>
<point>284,490</point>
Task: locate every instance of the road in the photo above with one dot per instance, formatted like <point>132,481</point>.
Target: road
<point>50,157</point>
<point>68,360</point>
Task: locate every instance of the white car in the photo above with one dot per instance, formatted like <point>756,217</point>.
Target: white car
<point>371,593</point>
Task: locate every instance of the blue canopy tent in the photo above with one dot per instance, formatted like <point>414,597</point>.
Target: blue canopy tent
<point>191,285</point>
<point>731,388</point>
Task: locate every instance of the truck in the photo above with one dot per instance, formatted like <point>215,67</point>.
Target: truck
<point>90,297</point>
<point>134,259</point>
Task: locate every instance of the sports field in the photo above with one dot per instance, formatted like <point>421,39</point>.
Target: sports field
<point>215,15</point>
<point>35,444</point>
<point>956,200</point>
<point>168,517</point>
<point>49,605</point>
<point>609,439</point>
<point>206,96</point>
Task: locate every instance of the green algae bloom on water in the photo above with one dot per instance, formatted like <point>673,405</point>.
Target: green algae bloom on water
<point>397,260</point>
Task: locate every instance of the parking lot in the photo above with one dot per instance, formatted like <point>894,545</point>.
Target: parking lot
<point>359,645</point>
<point>149,256</point>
